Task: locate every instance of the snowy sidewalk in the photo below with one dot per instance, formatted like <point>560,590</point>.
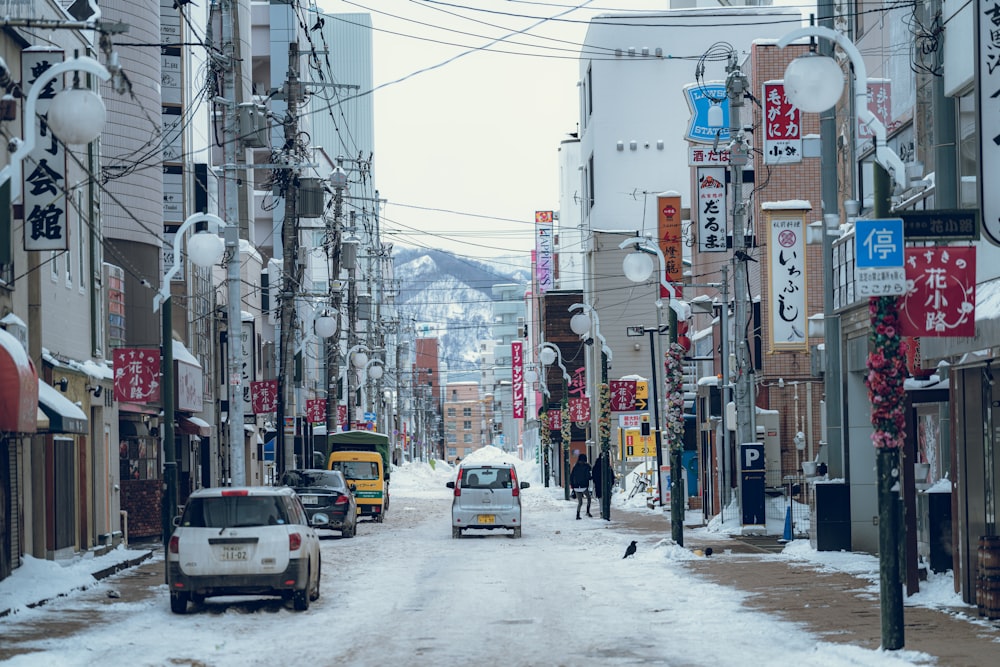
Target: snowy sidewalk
<point>833,594</point>
<point>38,581</point>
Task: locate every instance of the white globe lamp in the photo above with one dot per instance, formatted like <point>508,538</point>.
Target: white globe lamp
<point>813,83</point>
<point>375,372</point>
<point>547,356</point>
<point>338,177</point>
<point>637,266</point>
<point>359,359</point>
<point>580,323</point>
<point>326,326</point>
<point>77,116</point>
<point>205,249</point>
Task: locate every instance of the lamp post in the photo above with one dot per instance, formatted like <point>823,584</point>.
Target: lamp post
<point>814,84</point>
<point>204,249</point>
<point>544,434</point>
<point>374,370</point>
<point>637,267</point>
<point>76,115</point>
<point>356,360</point>
<point>581,324</point>
<point>549,354</point>
<point>338,181</point>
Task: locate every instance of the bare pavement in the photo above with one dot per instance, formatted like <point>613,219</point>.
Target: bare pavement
<point>837,607</point>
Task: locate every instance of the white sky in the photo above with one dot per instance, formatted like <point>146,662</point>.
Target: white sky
<point>563,579</point>
<point>479,135</point>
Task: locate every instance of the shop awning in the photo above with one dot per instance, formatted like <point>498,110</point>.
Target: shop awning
<point>18,387</point>
<point>194,426</point>
<point>64,416</point>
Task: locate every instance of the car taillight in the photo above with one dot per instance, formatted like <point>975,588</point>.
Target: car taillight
<point>236,492</point>
<point>294,541</point>
<point>341,500</point>
<point>174,544</point>
<point>458,483</point>
<point>514,486</point>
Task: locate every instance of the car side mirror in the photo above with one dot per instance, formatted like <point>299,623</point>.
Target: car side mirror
<point>450,485</point>
<point>176,521</point>
<point>525,485</point>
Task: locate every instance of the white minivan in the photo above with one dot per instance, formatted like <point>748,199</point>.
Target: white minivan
<point>487,497</point>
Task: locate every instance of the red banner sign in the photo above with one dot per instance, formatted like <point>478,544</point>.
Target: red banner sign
<point>622,395</point>
<point>669,224</point>
<point>942,299</point>
<point>137,375</point>
<point>342,417</point>
<point>517,378</point>
<point>555,420</point>
<point>579,409</point>
<point>264,396</point>
<point>316,410</point>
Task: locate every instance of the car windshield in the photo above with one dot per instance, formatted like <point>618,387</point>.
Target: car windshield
<point>357,469</point>
<point>486,478</point>
<point>234,512</point>
<point>302,478</point>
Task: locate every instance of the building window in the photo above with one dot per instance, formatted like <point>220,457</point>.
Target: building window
<point>451,412</point>
<point>466,412</point>
<point>452,438</point>
<point>467,438</point>
<point>467,424</point>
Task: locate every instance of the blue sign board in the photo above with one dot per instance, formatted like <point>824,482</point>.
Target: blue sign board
<point>752,471</point>
<point>701,97</point>
<point>369,416</point>
<point>879,243</point>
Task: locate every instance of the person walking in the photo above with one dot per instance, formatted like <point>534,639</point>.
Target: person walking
<point>579,479</point>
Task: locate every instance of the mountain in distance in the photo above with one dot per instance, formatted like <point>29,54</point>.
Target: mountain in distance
<point>445,296</point>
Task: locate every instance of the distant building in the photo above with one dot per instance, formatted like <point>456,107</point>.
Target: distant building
<point>468,419</point>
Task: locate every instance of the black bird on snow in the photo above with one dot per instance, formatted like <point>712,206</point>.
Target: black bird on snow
<point>629,550</point>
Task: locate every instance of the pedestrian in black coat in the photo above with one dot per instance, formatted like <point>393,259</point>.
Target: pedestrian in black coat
<point>579,480</point>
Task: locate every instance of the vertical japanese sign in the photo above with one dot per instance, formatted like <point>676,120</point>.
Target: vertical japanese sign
<point>46,220</point>
<point>555,420</point>
<point>712,220</point>
<point>316,410</point>
<point>787,278</point>
<point>517,378</point>
<point>544,273</point>
<point>942,300</point>
<point>264,396</point>
<point>880,104</point>
<point>248,370</point>
<point>668,217</point>
<point>579,402</point>
<point>987,85</point>
<point>782,126</point>
<point>342,417</point>
<point>137,374</point>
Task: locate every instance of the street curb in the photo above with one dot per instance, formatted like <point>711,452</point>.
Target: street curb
<point>100,574</point>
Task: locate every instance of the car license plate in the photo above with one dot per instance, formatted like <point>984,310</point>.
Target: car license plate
<point>310,500</point>
<point>235,552</point>
<point>487,518</point>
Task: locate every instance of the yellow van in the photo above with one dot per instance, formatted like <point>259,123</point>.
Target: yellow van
<point>366,477</point>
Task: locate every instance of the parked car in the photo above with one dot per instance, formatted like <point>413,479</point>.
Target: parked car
<point>325,492</point>
<point>243,541</point>
<point>486,497</point>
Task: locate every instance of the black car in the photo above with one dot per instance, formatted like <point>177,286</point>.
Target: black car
<point>325,492</point>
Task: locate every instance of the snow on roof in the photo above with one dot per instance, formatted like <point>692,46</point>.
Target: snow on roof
<point>787,205</point>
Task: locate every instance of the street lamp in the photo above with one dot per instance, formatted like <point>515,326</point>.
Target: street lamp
<point>75,115</point>
<point>357,359</point>
<point>549,354</point>
<point>581,324</point>
<point>824,92</point>
<point>204,249</point>
<point>637,267</point>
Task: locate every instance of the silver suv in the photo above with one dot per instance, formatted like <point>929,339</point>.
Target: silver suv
<point>486,497</point>
<point>251,540</point>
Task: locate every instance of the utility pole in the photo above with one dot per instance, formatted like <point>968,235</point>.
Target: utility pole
<point>331,345</point>
<point>352,323</point>
<point>234,337</point>
<point>291,271</point>
<point>736,85</point>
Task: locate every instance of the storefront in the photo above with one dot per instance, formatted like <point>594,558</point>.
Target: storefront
<point>18,420</point>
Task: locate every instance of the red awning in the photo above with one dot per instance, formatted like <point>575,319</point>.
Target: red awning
<point>18,387</point>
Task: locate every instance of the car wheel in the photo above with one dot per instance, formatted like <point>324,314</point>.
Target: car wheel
<point>517,532</point>
<point>302,598</point>
<point>348,531</point>
<point>319,576</point>
<point>456,533</point>
<point>179,602</point>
